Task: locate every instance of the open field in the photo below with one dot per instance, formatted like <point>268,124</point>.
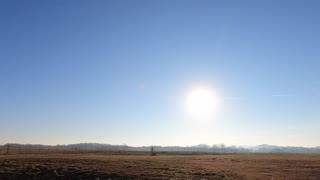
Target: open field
<point>139,165</point>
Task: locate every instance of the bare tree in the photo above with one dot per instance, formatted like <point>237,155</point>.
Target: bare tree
<point>153,151</point>
<point>8,148</point>
<point>222,147</point>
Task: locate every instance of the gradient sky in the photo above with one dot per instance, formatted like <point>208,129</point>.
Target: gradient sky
<point>117,71</point>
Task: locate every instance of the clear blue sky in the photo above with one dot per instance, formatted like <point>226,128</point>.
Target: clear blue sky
<point>115,71</point>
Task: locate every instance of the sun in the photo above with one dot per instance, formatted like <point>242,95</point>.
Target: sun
<point>201,103</point>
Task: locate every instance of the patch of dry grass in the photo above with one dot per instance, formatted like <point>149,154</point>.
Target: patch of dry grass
<point>143,166</point>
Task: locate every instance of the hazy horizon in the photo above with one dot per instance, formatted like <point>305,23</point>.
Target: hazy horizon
<point>163,73</point>
<point>156,145</point>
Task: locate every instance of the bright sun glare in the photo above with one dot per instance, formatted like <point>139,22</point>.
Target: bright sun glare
<point>201,103</point>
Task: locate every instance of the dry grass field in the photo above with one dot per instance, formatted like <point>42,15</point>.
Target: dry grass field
<point>139,165</point>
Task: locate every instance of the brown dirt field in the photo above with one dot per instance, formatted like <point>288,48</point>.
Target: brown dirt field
<point>127,165</point>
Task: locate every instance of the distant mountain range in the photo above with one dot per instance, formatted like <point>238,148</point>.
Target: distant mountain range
<point>265,148</point>
<point>216,148</point>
